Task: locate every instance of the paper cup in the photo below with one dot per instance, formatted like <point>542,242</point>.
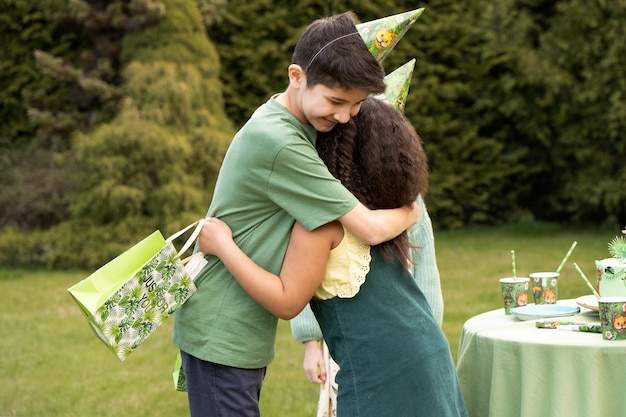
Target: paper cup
<point>514,292</point>
<point>613,317</point>
<point>545,287</point>
<point>611,274</point>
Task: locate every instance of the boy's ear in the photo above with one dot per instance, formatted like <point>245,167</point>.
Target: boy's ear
<point>296,75</point>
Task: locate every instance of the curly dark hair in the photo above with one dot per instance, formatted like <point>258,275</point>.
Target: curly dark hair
<point>379,157</point>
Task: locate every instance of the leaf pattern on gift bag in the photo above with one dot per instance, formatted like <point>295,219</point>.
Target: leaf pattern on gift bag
<point>145,329</point>
<point>180,290</point>
<point>128,317</point>
<point>129,304</point>
<point>108,306</point>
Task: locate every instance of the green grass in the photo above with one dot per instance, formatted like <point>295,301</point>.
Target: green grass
<point>53,365</point>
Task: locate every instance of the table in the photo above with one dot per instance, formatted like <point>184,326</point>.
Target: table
<point>510,368</point>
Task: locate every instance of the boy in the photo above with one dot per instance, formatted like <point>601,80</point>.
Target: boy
<point>270,176</point>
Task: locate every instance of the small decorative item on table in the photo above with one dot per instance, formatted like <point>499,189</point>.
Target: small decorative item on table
<point>535,312</point>
<point>611,272</point>
<point>514,292</point>
<point>545,287</point>
<point>545,284</point>
<point>569,326</point>
<point>613,317</point>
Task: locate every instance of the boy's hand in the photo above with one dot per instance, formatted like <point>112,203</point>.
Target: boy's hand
<point>215,237</point>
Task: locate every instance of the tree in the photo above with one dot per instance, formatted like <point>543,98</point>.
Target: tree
<point>34,197</point>
<point>87,91</point>
<point>584,43</point>
<point>62,75</point>
<point>561,74</point>
<point>23,27</point>
<point>154,164</point>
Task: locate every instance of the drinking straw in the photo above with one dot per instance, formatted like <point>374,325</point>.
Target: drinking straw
<point>513,264</point>
<point>586,280</point>
<point>569,252</point>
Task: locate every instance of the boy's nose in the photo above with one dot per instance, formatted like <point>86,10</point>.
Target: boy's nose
<point>343,116</point>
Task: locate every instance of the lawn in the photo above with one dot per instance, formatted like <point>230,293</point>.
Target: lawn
<point>53,365</point>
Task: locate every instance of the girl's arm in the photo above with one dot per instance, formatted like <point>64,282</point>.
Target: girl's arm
<point>302,271</point>
<point>424,268</point>
<point>377,226</point>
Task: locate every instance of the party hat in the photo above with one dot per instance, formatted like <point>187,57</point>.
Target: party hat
<point>381,35</point>
<point>398,83</point>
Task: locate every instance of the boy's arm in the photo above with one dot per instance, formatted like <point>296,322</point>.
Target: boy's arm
<point>376,226</point>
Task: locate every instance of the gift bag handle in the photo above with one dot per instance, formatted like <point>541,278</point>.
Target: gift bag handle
<point>191,239</point>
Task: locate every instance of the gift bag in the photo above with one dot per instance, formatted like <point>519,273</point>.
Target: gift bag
<point>128,298</point>
<point>180,383</point>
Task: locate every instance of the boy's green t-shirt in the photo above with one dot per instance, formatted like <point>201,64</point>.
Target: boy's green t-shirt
<point>270,176</point>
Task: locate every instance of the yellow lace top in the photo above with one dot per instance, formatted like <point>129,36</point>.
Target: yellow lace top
<point>348,264</point>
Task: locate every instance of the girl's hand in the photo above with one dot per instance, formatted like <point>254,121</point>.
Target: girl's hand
<point>215,237</point>
<point>313,364</point>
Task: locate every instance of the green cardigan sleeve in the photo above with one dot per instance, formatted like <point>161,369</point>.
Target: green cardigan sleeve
<point>425,271</point>
<point>304,326</point>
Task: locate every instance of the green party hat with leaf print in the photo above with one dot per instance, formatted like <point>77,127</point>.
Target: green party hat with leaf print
<point>382,35</point>
<point>398,83</point>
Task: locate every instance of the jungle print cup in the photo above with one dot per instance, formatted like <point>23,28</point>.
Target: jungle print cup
<point>544,286</point>
<point>613,317</point>
<point>514,292</point>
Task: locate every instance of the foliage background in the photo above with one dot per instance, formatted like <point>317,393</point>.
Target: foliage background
<point>116,114</point>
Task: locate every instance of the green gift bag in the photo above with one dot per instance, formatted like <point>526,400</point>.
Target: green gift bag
<point>128,298</point>
<point>180,383</point>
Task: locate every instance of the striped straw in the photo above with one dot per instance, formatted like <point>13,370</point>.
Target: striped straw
<point>586,281</point>
<point>569,252</point>
<point>513,264</point>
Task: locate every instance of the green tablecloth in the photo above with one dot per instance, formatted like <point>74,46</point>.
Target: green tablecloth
<point>510,368</point>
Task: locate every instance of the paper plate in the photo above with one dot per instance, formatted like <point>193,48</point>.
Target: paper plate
<point>533,312</point>
<point>588,301</point>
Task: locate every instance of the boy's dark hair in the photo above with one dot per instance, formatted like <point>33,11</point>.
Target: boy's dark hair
<point>332,53</point>
<point>379,157</point>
